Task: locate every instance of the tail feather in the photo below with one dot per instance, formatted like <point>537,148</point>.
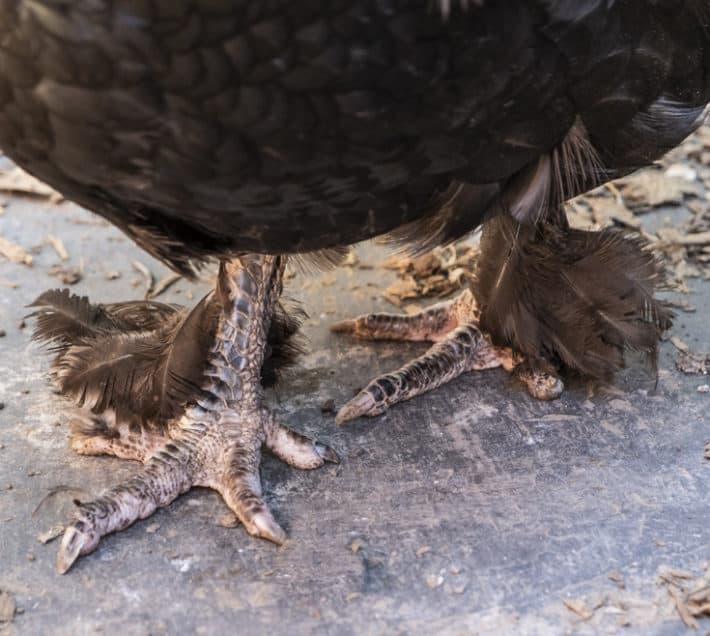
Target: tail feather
<point>570,297</point>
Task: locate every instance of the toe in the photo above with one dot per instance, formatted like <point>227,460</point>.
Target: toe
<point>242,493</point>
<point>540,384</point>
<point>327,453</point>
<point>79,538</point>
<point>362,404</point>
<point>262,524</point>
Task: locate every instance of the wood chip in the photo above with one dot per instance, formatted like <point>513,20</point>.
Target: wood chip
<point>421,551</point>
<point>682,608</point>
<point>653,188</point>
<point>58,246</point>
<point>148,278</point>
<point>68,275</point>
<point>14,252</point>
<point>162,285</point>
<point>435,274</point>
<point>579,607</point>
<point>9,283</point>
<point>693,363</point>
<point>434,580</point>
<point>50,535</point>
<point>17,181</point>
<point>7,607</point>
<point>618,578</point>
<point>679,344</point>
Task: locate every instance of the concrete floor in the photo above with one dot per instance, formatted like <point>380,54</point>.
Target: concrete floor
<point>471,510</point>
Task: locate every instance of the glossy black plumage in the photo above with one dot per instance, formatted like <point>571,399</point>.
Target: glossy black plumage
<point>208,126</point>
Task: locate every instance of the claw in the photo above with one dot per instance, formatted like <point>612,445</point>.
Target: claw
<point>362,404</point>
<point>263,525</point>
<point>327,453</point>
<point>75,542</point>
<point>540,384</point>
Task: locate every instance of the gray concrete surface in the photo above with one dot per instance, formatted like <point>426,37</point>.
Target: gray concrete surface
<point>472,510</point>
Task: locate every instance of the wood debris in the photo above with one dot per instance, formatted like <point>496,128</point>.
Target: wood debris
<point>68,275</point>
<point>162,285</point>
<point>50,535</point>
<point>579,607</point>
<point>690,593</point>
<point>618,578</point>
<point>7,607</point>
<point>58,246</point>
<point>435,274</point>
<point>679,344</point>
<point>14,252</point>
<point>434,580</point>
<point>148,278</point>
<point>692,363</point>
<point>17,181</point>
<point>652,188</point>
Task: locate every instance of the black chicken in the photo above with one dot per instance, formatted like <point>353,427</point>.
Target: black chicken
<point>248,131</point>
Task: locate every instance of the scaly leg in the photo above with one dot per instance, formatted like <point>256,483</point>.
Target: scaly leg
<point>217,441</point>
<point>459,347</point>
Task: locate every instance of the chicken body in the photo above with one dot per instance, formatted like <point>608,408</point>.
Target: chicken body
<point>206,127</point>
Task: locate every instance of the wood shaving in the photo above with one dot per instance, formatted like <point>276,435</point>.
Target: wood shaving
<point>68,275</point>
<point>58,246</point>
<point>50,535</point>
<point>579,607</point>
<point>17,181</point>
<point>434,580</point>
<point>14,252</point>
<point>693,363</point>
<point>7,607</point>
<point>435,274</point>
<point>162,285</point>
<point>690,593</point>
<point>652,188</point>
<point>148,278</point>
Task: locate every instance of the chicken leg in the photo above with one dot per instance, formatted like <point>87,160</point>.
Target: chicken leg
<point>216,442</point>
<point>459,346</point>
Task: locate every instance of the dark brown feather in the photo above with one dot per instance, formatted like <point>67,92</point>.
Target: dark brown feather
<point>143,358</point>
<point>570,297</point>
